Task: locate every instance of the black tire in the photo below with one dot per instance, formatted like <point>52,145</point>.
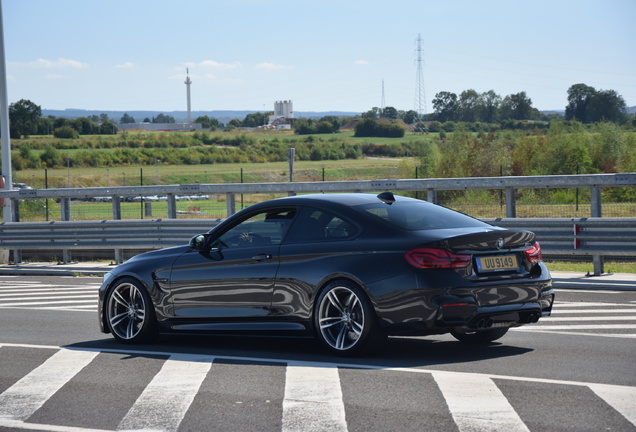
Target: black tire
<point>129,312</point>
<point>481,336</point>
<point>344,320</point>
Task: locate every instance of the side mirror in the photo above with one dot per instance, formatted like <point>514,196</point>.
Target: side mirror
<point>198,242</point>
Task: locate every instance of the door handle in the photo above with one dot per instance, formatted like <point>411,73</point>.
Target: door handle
<point>262,257</point>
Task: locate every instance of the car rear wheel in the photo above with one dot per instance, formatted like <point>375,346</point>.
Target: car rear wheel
<point>129,312</point>
<point>481,336</point>
<point>345,321</point>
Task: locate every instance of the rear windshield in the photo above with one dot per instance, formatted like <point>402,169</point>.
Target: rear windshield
<point>419,215</point>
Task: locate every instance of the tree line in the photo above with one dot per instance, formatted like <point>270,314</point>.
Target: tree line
<point>161,118</point>
<point>25,118</point>
<point>585,104</point>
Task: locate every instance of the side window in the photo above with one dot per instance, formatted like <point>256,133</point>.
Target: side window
<point>261,229</point>
<point>313,225</point>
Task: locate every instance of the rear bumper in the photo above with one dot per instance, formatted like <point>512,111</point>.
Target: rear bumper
<point>503,316</point>
<point>499,304</point>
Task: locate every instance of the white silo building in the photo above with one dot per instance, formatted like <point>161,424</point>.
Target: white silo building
<point>283,112</point>
<point>283,109</point>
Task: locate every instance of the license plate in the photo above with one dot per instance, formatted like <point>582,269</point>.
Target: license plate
<point>497,263</point>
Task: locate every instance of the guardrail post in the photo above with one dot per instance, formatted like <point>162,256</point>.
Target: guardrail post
<point>511,203</point>
<point>65,210</point>
<point>119,253</point>
<point>172,207</point>
<point>230,201</point>
<point>116,208</point>
<point>15,209</point>
<point>599,264</point>
<point>595,202</point>
<point>431,196</point>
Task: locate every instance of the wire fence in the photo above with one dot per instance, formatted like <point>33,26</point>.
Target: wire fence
<point>484,204</point>
<point>531,203</point>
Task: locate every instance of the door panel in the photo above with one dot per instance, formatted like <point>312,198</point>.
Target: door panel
<point>228,283</point>
<point>234,276</point>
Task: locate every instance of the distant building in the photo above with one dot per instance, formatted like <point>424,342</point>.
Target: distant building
<point>283,109</point>
<point>283,115</point>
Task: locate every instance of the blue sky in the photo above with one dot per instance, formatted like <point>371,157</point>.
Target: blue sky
<point>323,55</point>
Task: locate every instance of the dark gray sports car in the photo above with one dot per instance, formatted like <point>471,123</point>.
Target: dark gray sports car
<point>349,269</point>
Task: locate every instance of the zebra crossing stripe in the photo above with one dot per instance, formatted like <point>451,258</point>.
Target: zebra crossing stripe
<point>165,401</point>
<point>313,399</point>
<point>477,404</point>
<point>26,396</point>
<point>32,303</point>
<point>597,318</point>
<point>579,327</point>
<point>622,399</point>
<point>587,311</point>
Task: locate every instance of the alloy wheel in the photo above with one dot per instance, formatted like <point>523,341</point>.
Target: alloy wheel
<point>126,311</point>
<point>341,318</point>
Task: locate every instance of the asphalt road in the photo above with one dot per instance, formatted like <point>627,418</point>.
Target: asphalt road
<point>574,371</point>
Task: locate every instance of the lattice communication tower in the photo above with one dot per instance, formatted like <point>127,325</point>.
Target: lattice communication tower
<point>420,96</point>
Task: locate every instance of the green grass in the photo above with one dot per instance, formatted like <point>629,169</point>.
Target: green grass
<point>348,169</point>
<point>584,267</point>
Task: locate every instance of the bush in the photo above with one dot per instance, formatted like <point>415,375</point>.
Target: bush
<point>374,128</point>
<point>51,157</point>
<point>66,132</point>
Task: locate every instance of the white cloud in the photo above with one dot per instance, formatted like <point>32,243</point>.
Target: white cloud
<point>126,65</point>
<point>213,64</point>
<point>361,62</point>
<point>270,66</point>
<point>60,63</point>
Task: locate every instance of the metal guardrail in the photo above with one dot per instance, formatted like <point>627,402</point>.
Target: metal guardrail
<point>509,184</point>
<point>595,237</point>
<point>115,235</point>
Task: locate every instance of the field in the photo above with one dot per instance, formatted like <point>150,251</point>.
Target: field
<point>346,169</point>
<point>144,158</point>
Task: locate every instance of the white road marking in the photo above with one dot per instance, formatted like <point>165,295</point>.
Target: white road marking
<point>312,393</point>
<point>9,305</point>
<point>589,311</point>
<point>15,424</point>
<point>477,404</point>
<point>41,297</point>
<point>39,293</point>
<point>165,401</point>
<point>573,333</point>
<point>26,396</point>
<point>559,305</point>
<point>578,291</point>
<point>622,399</point>
<point>583,327</point>
<point>597,318</point>
<point>49,297</point>
<point>313,399</point>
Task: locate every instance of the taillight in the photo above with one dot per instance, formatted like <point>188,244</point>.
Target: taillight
<point>534,253</point>
<point>431,258</point>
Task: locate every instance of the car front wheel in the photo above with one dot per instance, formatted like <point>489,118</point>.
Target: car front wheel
<point>129,312</point>
<point>345,322</point>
